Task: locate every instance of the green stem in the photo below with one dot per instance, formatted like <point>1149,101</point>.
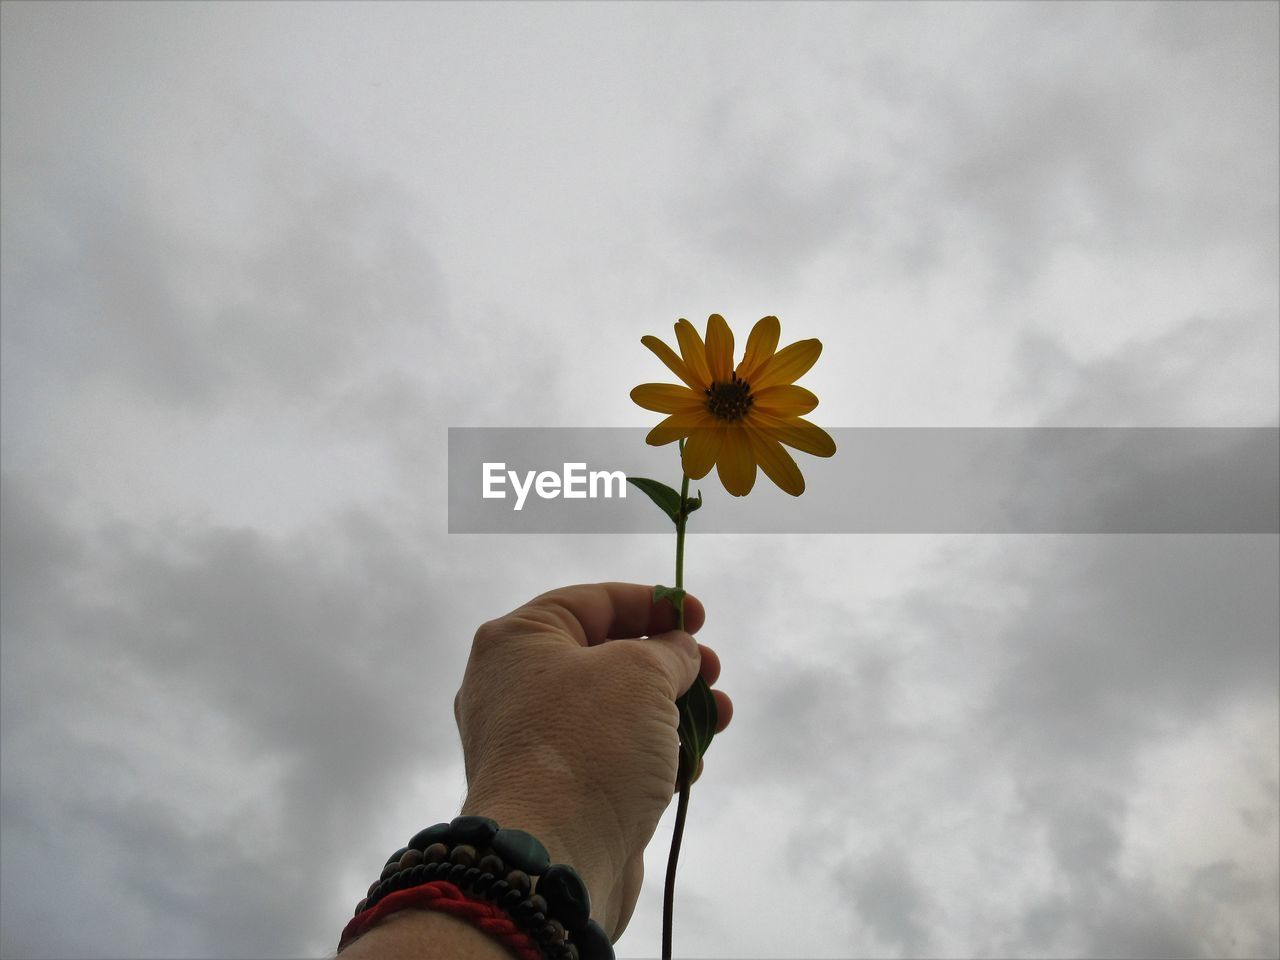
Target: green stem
<point>682,805</point>
<point>684,517</point>
<point>669,892</point>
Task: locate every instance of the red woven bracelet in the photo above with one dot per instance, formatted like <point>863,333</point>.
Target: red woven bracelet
<point>444,897</point>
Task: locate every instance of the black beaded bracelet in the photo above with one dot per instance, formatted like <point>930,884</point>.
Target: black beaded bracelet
<point>506,867</point>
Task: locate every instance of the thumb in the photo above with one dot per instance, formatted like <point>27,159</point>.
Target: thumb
<point>676,655</point>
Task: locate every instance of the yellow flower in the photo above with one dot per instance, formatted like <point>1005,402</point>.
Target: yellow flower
<point>734,419</point>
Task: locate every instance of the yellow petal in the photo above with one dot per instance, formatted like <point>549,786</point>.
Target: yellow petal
<point>776,462</point>
<point>787,365</point>
<point>719,349</point>
<point>701,450</point>
<point>694,353</point>
<point>668,398</point>
<point>675,427</point>
<point>673,362</point>
<point>795,432</point>
<point>761,345</point>
<point>787,400</point>
<point>735,464</point>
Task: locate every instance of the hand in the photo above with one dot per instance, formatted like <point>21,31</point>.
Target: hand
<point>568,726</point>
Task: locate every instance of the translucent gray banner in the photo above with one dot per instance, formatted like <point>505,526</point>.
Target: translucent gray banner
<point>883,480</point>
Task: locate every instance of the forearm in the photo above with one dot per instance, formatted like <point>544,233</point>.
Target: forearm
<point>425,935</point>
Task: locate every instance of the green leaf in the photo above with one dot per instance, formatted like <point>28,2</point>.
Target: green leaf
<point>659,493</point>
<point>674,594</point>
<point>692,503</point>
<point>698,718</point>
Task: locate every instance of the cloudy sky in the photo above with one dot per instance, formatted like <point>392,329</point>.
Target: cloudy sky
<point>257,258</point>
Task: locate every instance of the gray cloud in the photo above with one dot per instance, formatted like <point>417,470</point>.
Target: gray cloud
<point>1200,371</point>
<point>1177,621</point>
<point>883,890</point>
<point>102,283</point>
<point>159,658</point>
<point>1099,127</point>
<point>971,749</point>
<point>1132,640</point>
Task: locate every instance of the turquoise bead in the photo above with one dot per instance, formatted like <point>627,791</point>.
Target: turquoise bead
<point>476,831</point>
<point>593,943</point>
<point>521,851</point>
<point>566,896</point>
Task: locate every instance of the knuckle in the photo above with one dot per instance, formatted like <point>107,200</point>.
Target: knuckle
<point>487,634</point>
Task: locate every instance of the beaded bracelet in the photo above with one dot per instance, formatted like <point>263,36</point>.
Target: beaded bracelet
<point>442,897</point>
<point>505,867</point>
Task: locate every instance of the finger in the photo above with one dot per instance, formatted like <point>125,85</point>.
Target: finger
<point>724,709</point>
<point>674,655</point>
<point>710,669</point>
<point>663,616</point>
<point>594,612</point>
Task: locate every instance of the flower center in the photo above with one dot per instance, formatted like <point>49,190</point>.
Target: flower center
<point>731,400</point>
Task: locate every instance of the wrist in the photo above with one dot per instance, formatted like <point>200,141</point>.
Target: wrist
<point>551,824</point>
<point>503,878</point>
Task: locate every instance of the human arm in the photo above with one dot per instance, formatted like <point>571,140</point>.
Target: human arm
<point>568,724</point>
